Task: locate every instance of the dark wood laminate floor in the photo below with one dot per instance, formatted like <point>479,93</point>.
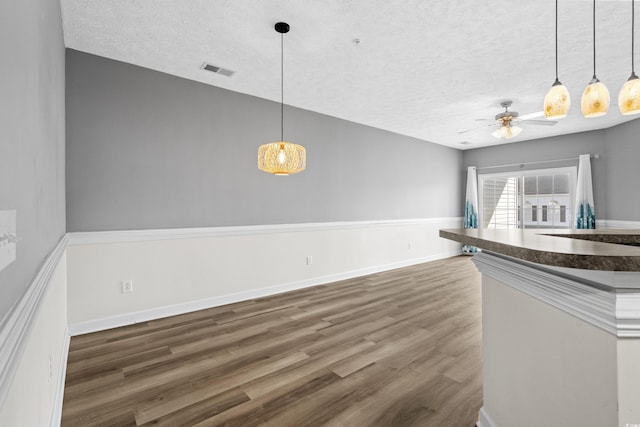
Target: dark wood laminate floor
<point>398,348</point>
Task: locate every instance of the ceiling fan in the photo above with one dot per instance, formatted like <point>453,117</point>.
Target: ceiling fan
<point>507,120</point>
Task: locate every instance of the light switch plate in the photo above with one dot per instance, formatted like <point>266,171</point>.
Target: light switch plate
<point>7,238</point>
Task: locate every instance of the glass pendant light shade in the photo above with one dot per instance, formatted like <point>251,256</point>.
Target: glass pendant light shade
<point>557,102</point>
<point>282,158</point>
<point>629,97</point>
<point>595,99</point>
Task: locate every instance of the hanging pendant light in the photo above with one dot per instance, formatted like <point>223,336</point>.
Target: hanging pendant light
<point>629,97</point>
<point>282,157</point>
<point>557,101</point>
<point>595,98</point>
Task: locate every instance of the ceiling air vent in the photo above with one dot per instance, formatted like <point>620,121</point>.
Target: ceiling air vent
<point>218,70</point>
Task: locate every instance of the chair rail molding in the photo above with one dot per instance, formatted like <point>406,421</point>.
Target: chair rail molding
<point>121,236</point>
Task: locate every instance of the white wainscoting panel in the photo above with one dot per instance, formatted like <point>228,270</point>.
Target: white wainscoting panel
<point>180,270</point>
<point>34,349</point>
<point>177,271</point>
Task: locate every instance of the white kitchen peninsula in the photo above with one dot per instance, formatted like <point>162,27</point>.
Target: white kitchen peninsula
<point>561,326</point>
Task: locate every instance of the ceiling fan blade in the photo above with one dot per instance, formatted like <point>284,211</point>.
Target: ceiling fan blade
<point>478,127</point>
<point>535,115</point>
<point>468,130</point>
<point>540,122</point>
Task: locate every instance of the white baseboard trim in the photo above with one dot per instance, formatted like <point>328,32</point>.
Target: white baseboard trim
<point>56,414</point>
<point>485,420</point>
<point>17,324</point>
<point>173,310</point>
<point>119,236</point>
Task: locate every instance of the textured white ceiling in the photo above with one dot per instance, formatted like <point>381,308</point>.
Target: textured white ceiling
<point>426,69</point>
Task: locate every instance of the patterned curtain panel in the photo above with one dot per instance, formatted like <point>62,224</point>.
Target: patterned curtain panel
<point>585,210</point>
<point>471,206</point>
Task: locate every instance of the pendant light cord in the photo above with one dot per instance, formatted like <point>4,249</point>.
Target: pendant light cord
<point>594,39</point>
<point>633,24</point>
<point>556,40</point>
<point>281,87</point>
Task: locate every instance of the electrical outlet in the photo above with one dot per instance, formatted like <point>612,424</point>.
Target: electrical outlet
<point>127,286</point>
<point>8,238</point>
<point>409,246</point>
<point>309,260</point>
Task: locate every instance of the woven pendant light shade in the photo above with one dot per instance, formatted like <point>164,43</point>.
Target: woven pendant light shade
<point>282,158</point>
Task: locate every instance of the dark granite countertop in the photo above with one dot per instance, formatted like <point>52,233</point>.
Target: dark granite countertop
<point>602,249</point>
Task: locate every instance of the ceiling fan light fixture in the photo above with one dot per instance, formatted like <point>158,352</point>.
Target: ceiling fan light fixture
<point>507,131</point>
<point>557,102</point>
<point>515,131</point>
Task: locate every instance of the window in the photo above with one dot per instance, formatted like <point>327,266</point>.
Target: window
<point>530,199</point>
<point>499,202</point>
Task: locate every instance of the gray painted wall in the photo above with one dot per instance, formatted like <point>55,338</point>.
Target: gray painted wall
<point>31,136</point>
<point>614,173</point>
<point>150,150</point>
<point>623,171</point>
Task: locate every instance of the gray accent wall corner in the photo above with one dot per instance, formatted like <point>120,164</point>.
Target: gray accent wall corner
<point>150,150</point>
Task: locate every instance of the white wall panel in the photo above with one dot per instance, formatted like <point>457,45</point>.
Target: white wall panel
<point>182,273</point>
<point>34,395</point>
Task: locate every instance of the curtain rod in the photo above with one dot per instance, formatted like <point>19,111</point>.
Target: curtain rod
<point>593,156</point>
